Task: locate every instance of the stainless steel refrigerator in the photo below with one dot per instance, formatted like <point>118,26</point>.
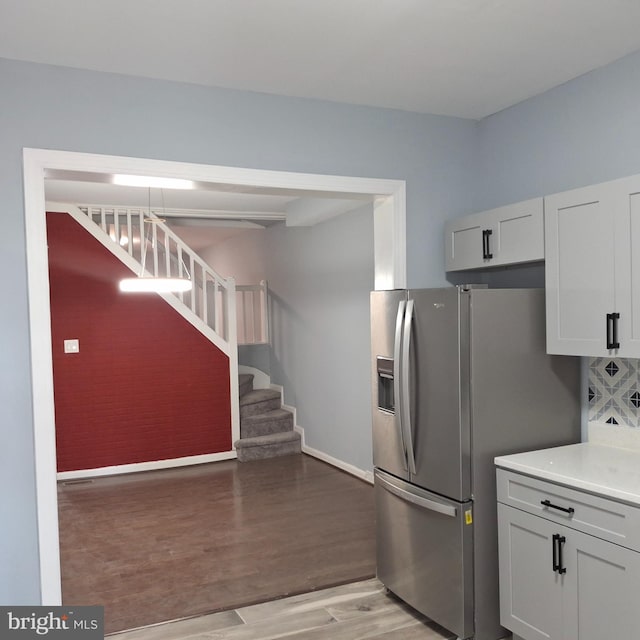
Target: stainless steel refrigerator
<point>459,376</point>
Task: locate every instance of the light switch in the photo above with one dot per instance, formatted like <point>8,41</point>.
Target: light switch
<point>72,346</point>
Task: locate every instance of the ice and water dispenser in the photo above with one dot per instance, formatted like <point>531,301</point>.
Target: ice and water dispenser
<point>384,367</point>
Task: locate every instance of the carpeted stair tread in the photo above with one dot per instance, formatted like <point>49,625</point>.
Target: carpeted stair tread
<point>274,414</point>
<point>259,395</point>
<point>259,401</point>
<point>245,383</point>
<point>271,446</point>
<point>262,424</point>
<point>266,429</point>
<point>273,438</point>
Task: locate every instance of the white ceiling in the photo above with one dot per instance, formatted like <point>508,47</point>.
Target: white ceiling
<point>466,58</point>
<point>208,214</point>
<point>210,202</point>
<point>201,217</point>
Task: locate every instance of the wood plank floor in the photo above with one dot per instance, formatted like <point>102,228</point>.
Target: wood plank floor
<point>350,612</point>
<point>162,545</point>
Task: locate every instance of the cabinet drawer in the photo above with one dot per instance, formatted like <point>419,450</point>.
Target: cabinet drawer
<point>597,516</point>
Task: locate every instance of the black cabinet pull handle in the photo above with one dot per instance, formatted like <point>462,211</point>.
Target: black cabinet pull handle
<point>561,541</point>
<point>556,546</point>
<point>612,330</point>
<point>486,249</point>
<point>548,503</point>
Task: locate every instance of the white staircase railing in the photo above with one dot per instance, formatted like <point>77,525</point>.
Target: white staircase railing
<point>165,255</point>
<point>253,318</point>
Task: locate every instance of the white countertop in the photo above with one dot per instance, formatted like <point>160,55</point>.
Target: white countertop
<point>603,470</point>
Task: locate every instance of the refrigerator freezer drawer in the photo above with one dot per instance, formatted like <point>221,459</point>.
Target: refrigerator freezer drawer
<point>424,551</point>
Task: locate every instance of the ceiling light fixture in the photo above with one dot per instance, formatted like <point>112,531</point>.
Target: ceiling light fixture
<point>125,180</point>
<point>153,284</point>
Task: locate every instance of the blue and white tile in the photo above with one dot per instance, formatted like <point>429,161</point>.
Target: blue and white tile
<point>614,391</point>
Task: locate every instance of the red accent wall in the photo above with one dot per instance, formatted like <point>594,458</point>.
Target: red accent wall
<point>146,385</point>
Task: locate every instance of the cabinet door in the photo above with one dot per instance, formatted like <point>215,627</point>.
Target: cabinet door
<point>627,253</point>
<point>600,589</point>
<point>580,274</point>
<point>530,590</point>
<point>519,232</point>
<point>465,245</point>
<point>506,235</point>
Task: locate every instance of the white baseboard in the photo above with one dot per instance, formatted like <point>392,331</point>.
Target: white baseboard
<point>145,466</point>
<point>280,388</point>
<point>367,476</point>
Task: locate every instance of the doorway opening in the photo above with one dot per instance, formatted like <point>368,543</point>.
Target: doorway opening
<point>389,213</point>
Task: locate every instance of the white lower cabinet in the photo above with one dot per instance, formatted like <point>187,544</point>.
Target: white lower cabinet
<point>559,583</point>
<point>599,585</point>
<point>530,593</point>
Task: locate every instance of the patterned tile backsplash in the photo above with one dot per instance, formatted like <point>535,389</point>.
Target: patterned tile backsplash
<point>614,391</point>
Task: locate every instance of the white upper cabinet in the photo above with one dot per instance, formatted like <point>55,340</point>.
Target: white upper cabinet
<point>507,235</point>
<point>627,194</point>
<point>592,245</point>
<point>579,269</point>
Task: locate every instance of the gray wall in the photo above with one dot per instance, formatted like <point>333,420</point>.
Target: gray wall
<point>241,256</point>
<point>319,282</point>
<point>59,108</point>
<point>580,133</point>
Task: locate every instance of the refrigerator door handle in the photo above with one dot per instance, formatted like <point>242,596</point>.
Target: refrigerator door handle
<point>406,390</point>
<point>419,501</point>
<point>397,382</point>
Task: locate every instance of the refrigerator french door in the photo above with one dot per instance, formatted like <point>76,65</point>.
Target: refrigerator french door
<point>425,551</point>
<point>421,454</point>
<point>417,344</point>
<point>459,376</point>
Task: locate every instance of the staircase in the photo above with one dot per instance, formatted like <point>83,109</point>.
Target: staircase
<point>266,429</point>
